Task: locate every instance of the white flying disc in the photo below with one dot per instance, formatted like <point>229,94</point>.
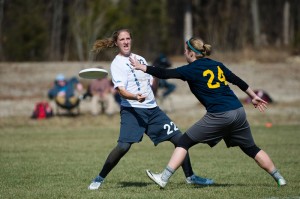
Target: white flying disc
<point>93,73</point>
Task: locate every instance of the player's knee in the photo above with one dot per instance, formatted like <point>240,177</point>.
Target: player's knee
<point>186,142</point>
<point>123,147</point>
<point>175,139</point>
<point>251,151</point>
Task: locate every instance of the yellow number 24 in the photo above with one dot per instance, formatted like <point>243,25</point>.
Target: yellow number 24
<point>221,78</point>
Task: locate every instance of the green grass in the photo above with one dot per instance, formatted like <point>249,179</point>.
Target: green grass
<point>58,158</point>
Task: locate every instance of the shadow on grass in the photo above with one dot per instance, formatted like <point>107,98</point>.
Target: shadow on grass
<point>143,184</point>
<point>216,185</point>
<point>134,184</point>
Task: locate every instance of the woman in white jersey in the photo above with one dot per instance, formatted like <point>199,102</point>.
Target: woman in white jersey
<point>139,111</point>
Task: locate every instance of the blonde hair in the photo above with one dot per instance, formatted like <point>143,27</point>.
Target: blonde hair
<point>102,44</point>
<point>199,47</point>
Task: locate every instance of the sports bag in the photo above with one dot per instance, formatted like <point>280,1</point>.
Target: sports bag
<point>42,110</point>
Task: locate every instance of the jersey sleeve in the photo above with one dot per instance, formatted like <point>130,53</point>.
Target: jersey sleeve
<point>186,73</point>
<point>232,78</point>
<point>163,73</point>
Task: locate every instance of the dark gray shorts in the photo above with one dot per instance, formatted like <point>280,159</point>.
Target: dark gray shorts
<point>153,122</point>
<point>231,126</point>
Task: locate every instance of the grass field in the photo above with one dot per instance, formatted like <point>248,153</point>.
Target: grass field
<point>57,158</point>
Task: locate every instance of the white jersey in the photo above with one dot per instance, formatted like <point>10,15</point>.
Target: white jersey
<point>134,81</point>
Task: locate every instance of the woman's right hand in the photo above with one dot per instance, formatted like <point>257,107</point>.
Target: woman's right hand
<point>140,97</point>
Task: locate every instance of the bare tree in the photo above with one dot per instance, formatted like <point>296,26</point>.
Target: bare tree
<point>55,43</point>
<point>164,27</point>
<point>86,25</point>
<point>256,24</point>
<point>188,24</point>
<point>1,20</point>
<point>76,28</point>
<point>286,24</point>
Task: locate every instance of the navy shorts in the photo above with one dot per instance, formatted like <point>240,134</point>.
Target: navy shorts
<point>153,122</point>
<point>231,126</point>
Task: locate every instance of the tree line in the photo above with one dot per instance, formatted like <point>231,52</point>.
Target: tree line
<point>65,30</point>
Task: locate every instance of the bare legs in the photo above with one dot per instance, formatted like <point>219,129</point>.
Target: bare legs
<point>261,158</point>
<point>177,158</point>
<point>264,161</point>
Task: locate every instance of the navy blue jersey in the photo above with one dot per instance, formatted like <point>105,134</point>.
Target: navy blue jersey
<point>207,81</point>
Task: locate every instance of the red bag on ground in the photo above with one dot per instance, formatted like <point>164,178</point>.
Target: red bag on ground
<point>42,110</point>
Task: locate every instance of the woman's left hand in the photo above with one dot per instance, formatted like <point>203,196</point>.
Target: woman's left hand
<point>259,103</point>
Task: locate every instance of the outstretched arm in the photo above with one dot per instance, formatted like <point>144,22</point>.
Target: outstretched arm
<point>256,101</point>
<point>160,73</point>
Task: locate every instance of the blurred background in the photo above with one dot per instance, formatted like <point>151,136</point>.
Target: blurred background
<point>258,39</point>
<point>64,30</point>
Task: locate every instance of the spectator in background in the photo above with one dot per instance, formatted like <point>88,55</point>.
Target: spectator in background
<point>102,93</point>
<point>163,62</point>
<point>65,92</point>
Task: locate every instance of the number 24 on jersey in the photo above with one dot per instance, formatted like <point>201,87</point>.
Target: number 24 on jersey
<point>220,77</point>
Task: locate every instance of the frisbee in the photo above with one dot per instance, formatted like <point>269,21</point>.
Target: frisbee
<point>93,73</point>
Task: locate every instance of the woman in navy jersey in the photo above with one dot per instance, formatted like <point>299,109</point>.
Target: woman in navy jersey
<point>139,111</point>
<point>225,118</point>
